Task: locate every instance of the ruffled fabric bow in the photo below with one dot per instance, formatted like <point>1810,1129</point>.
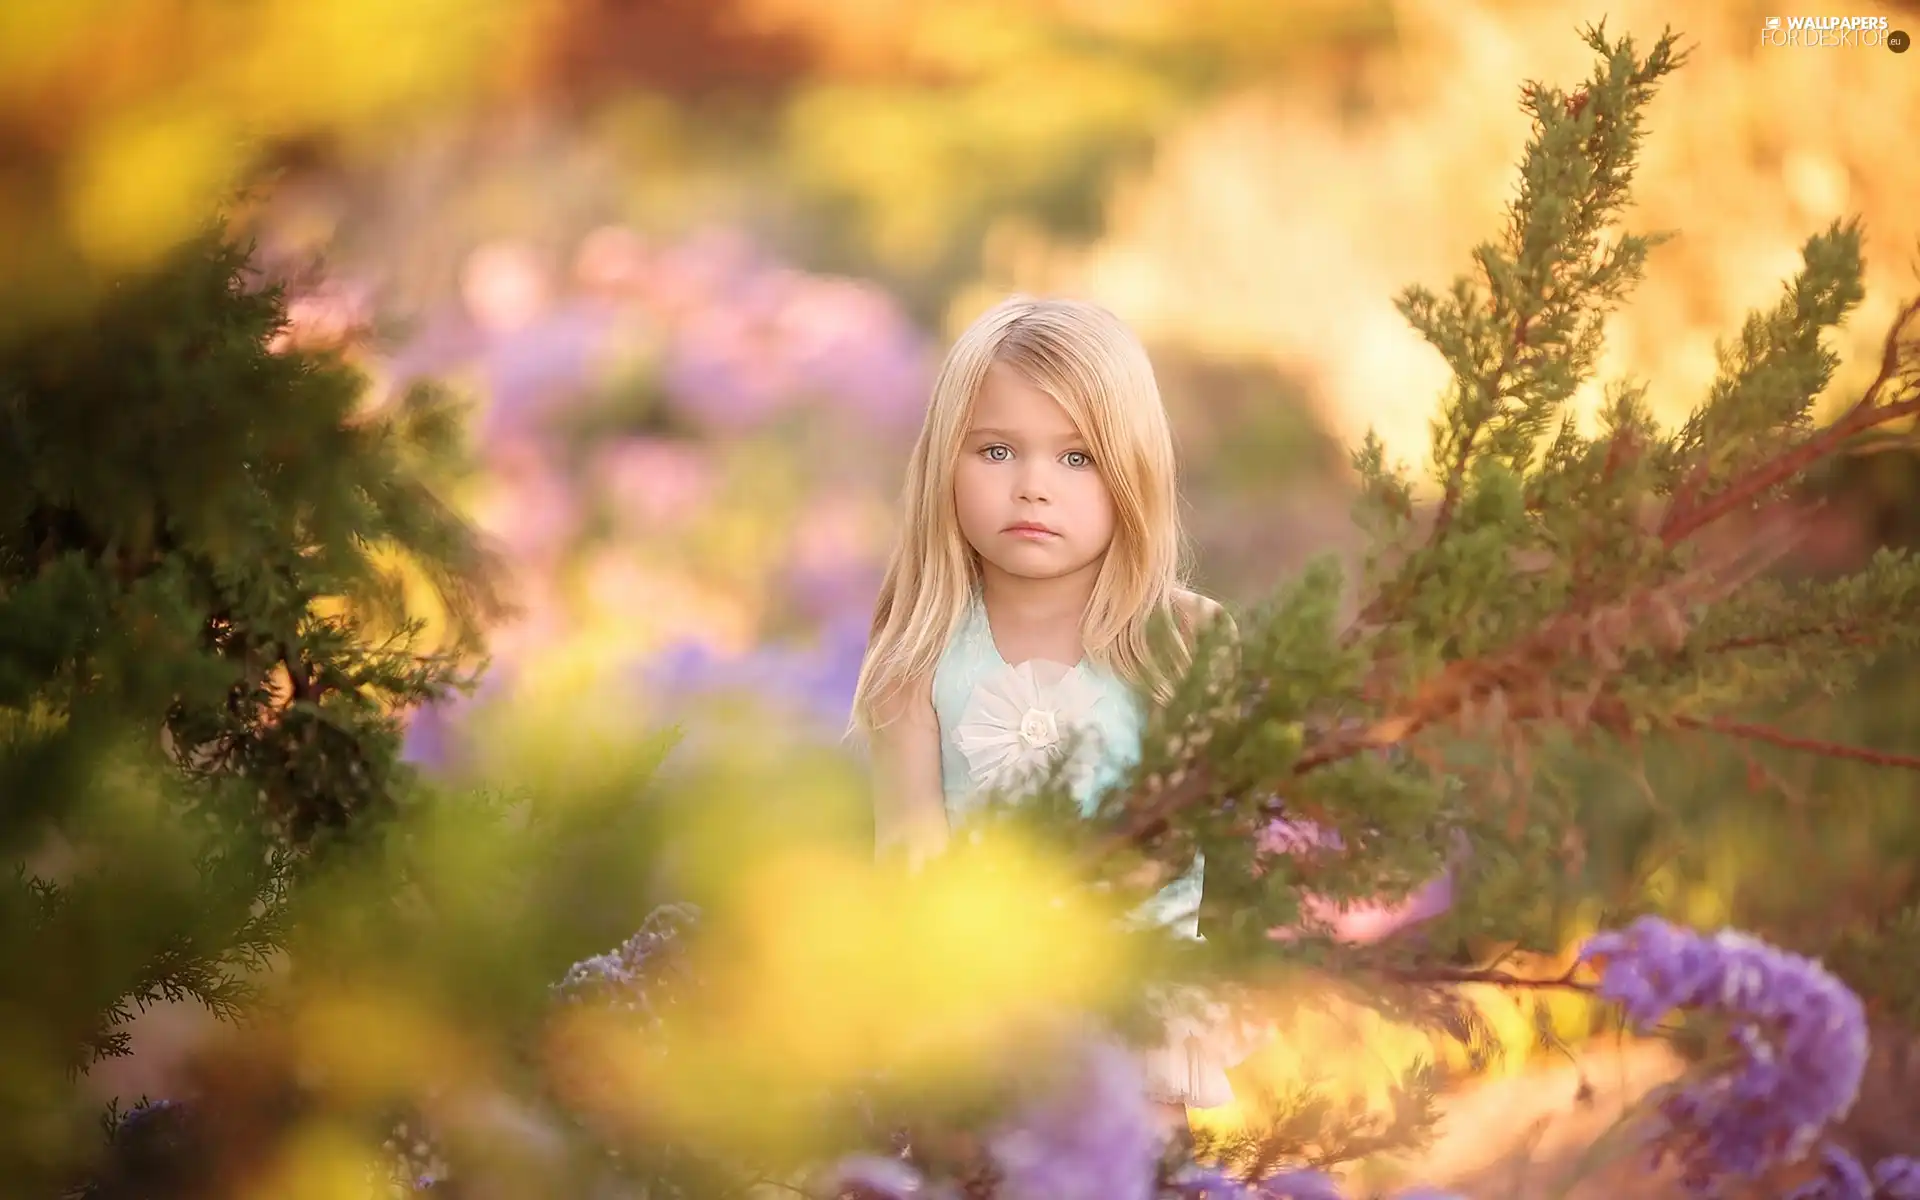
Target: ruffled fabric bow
<point>1021,719</point>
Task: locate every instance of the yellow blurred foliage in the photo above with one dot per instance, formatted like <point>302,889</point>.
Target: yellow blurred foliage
<point>536,733</point>
<point>320,1162</point>
<point>1355,1053</point>
<point>1705,900</point>
<point>927,116</point>
<point>1344,1049</point>
<point>1349,1053</point>
<point>367,1047</point>
<point>835,971</point>
<point>870,38</point>
<point>149,108</point>
<point>884,37</point>
<point>38,36</point>
<point>1284,218</point>
<point>922,162</point>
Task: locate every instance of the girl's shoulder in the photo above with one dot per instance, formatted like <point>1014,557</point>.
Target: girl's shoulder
<point>1196,611</point>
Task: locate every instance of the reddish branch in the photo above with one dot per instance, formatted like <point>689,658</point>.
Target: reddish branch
<point>1513,678</point>
<point>1509,679</point>
<point>1685,518</point>
<point>1847,634</point>
<point>1787,741</point>
<point>1567,980</point>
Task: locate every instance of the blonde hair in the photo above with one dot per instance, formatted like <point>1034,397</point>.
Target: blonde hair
<point>1096,369</point>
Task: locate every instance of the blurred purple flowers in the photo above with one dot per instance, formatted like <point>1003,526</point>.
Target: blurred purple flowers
<point>739,337</point>
<point>675,347</point>
<point>650,481</point>
<point>1092,1135</point>
<point>871,1177</point>
<point>639,975</point>
<point>433,739</point>
<point>1897,1178</point>
<point>776,338</point>
<point>815,681</point>
<point>1797,1038</point>
<point>1843,1178</point>
<point>1366,920</point>
<point>744,338</point>
<point>1095,1139</point>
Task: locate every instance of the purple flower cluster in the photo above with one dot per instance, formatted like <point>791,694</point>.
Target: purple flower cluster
<point>1897,1177</point>
<point>741,337</point>
<point>816,681</point>
<point>871,1177</point>
<point>630,977</point>
<point>433,739</point>
<point>770,338</point>
<point>1094,1140</point>
<point>720,337</point>
<point>1798,1038</point>
<point>1842,1177</point>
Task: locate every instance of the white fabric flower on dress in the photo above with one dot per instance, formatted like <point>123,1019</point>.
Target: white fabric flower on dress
<point>1020,719</point>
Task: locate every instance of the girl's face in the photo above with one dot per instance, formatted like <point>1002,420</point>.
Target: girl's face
<point>1030,497</point>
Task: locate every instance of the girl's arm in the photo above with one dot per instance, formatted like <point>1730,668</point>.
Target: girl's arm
<point>909,809</point>
<point>1195,613</point>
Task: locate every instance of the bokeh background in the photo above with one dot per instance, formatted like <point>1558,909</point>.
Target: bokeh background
<point>693,261</point>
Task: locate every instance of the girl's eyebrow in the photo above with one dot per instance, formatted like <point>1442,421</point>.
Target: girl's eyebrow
<point>1011,435</point>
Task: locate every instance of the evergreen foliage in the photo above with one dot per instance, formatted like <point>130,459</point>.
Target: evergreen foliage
<point>1571,599</point>
<point>206,641</point>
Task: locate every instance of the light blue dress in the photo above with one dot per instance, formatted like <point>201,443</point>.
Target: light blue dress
<point>990,713</point>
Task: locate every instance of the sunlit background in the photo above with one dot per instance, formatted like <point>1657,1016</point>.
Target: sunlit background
<point>693,261</point>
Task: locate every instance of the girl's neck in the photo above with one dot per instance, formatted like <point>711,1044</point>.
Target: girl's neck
<point>1038,601</point>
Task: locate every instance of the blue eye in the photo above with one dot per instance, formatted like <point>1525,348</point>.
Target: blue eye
<point>996,453</point>
<point>1079,460</point>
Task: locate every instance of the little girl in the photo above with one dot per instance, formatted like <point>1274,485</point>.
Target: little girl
<point>1041,542</point>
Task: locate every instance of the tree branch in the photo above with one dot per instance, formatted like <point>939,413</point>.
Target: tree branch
<point>1786,741</point>
<point>1847,633</point>
<point>1511,678</point>
<point>1493,388</point>
<point>790,1188</point>
<point>1684,518</point>
<point>1452,976</point>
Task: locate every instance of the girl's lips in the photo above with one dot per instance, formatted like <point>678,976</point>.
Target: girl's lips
<point>1034,532</point>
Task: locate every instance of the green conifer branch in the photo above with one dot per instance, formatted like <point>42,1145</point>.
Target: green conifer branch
<point>1899,369</point>
<point>1614,586</point>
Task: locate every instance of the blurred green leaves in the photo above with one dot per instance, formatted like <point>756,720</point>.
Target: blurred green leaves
<point>208,650</point>
<point>987,111</point>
